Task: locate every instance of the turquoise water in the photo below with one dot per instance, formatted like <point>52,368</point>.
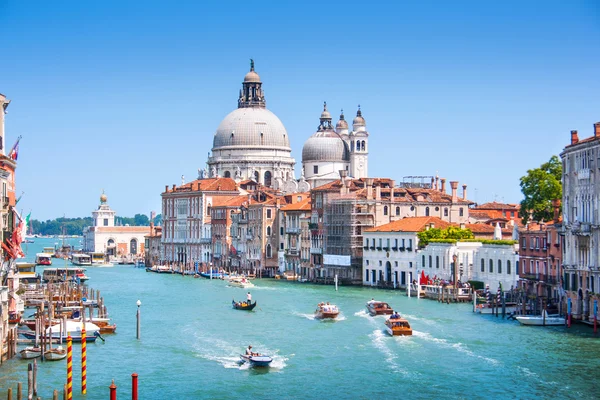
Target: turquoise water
<point>191,339</point>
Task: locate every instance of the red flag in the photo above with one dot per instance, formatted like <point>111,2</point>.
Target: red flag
<point>423,279</point>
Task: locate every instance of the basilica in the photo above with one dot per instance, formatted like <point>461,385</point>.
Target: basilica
<point>251,143</point>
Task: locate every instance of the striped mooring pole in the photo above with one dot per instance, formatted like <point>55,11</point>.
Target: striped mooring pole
<point>83,362</point>
<point>69,368</point>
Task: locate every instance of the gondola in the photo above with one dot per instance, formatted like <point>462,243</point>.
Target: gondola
<point>242,305</point>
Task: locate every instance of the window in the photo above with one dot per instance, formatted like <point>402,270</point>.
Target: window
<point>499,266</point>
<point>430,262</point>
<point>367,262</point>
<point>105,221</point>
<point>380,264</point>
<point>380,240</point>
<point>269,252</point>
<point>423,261</point>
<point>437,261</point>
<point>227,174</point>
<point>268,213</point>
<point>281,230</point>
<point>410,264</point>
<point>460,212</point>
<point>268,231</point>
<point>427,211</point>
<point>280,246</point>
<point>397,210</point>
<point>491,265</point>
<point>445,212</point>
<point>524,244</point>
<point>385,210</point>
<point>366,275</point>
<point>315,169</point>
<point>482,265</point>
<point>508,267</point>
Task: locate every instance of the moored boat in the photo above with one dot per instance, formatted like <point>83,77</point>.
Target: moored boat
<point>397,326</point>
<point>379,308</point>
<point>243,305</point>
<point>259,360</point>
<point>326,311</point>
<point>81,259</point>
<point>55,354</point>
<point>542,320</point>
<point>30,352</point>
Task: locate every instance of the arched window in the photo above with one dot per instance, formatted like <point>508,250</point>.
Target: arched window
<point>397,211</point>
<point>227,174</point>
<point>508,267</point>
<point>268,231</point>
<point>491,265</point>
<point>499,266</point>
<point>358,145</point>
<point>437,261</point>
<point>133,246</point>
<point>363,147</point>
<point>269,254</point>
<point>385,210</point>
<point>427,211</point>
<point>482,265</point>
<point>268,178</point>
<point>430,262</point>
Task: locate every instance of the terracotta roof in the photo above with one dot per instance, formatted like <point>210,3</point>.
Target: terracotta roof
<point>228,201</point>
<point>303,205</point>
<point>497,206</point>
<point>485,228</point>
<point>123,229</point>
<point>208,184</point>
<point>411,224</point>
<point>586,140</point>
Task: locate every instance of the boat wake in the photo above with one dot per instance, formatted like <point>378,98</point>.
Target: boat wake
<point>457,346</point>
<point>228,355</point>
<point>307,316</point>
<point>379,340</point>
<point>423,320</point>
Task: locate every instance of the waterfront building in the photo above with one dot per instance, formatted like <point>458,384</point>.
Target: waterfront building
<point>252,143</point>
<point>294,229</point>
<point>221,216</point>
<point>493,212</point>
<point>540,254</point>
<point>581,222</point>
<point>331,150</point>
<point>186,209</point>
<point>114,241</point>
<point>152,246</point>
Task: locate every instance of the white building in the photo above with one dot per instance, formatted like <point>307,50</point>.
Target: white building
<point>114,241</point>
<point>252,143</point>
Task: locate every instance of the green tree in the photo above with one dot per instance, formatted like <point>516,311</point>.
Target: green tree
<point>539,187</point>
<point>158,220</point>
<point>452,232</point>
<point>141,220</point>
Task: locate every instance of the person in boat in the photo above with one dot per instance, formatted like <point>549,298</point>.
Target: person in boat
<point>249,298</point>
<point>371,301</point>
<point>249,352</point>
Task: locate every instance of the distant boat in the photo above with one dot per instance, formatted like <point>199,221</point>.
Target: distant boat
<point>43,259</point>
<point>326,311</point>
<point>214,275</point>
<point>55,354</point>
<point>81,259</point>
<point>379,308</point>
<point>242,305</point>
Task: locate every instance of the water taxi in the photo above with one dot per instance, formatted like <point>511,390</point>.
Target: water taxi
<point>81,259</point>
<point>43,259</point>
<point>379,308</point>
<point>326,311</point>
<point>65,274</point>
<point>398,327</point>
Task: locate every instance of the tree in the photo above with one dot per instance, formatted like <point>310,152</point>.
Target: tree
<point>539,187</point>
<point>141,220</point>
<point>451,232</point>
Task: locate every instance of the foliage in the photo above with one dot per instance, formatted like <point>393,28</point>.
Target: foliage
<point>452,232</point>
<point>158,220</point>
<point>74,226</point>
<point>490,241</point>
<point>540,186</point>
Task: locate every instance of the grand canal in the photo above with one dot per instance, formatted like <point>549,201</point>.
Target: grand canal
<point>191,339</point>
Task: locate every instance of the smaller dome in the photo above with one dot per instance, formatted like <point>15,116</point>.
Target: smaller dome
<point>358,120</point>
<point>252,77</point>
<point>325,114</point>
<point>325,146</point>
<point>342,124</point>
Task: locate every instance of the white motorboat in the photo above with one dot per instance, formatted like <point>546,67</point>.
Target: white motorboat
<point>55,354</point>
<point>542,320</point>
<point>240,282</point>
<point>258,360</point>
<point>30,352</point>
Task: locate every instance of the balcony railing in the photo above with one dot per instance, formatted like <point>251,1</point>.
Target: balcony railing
<point>292,230</point>
<point>316,250</point>
<point>291,252</point>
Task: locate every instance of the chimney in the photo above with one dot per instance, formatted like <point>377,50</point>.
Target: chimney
<point>443,188</point>
<point>556,206</point>
<point>392,193</point>
<point>574,137</point>
<point>378,192</point>
<point>436,182</point>
<point>278,203</point>
<point>174,186</point>
<point>166,188</point>
<point>464,192</point>
<point>432,181</point>
<point>369,188</point>
<point>454,186</point>
<point>597,129</point>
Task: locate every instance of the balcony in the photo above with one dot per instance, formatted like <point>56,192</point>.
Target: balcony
<point>366,247</point>
<point>386,249</point>
<point>313,226</point>
<point>291,252</point>
<point>379,248</point>
<point>5,203</point>
<point>401,248</point>
<point>316,250</point>
<point>293,230</point>
<point>394,248</point>
<point>205,240</point>
<point>409,249</point>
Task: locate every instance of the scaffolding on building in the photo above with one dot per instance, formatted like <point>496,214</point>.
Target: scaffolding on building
<point>417,182</point>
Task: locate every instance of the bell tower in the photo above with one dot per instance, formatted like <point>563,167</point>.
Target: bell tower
<point>359,147</point>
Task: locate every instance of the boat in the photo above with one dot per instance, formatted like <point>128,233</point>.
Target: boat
<point>259,360</point>
<point>397,326</point>
<point>55,354</point>
<point>97,258</point>
<point>108,328</point>
<point>240,282</point>
<point>81,259</point>
<point>49,250</point>
<point>214,275</point>
<point>542,320</point>
<point>26,273</point>
<point>379,308</point>
<point>30,352</point>
<point>43,259</point>
<point>242,305</point>
<point>64,274</point>
<point>326,311</point>
<point>73,328</point>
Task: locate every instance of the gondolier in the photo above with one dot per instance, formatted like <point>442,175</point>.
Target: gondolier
<point>248,298</point>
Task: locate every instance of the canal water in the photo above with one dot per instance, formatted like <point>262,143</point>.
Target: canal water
<point>191,339</point>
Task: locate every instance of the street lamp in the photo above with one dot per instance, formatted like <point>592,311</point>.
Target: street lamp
<point>139,303</point>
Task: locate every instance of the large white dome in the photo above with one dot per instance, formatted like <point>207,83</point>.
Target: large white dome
<point>251,127</point>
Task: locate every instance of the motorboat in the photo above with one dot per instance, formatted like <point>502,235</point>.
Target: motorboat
<point>542,320</point>
<point>326,311</point>
<point>259,360</point>
<point>243,305</point>
<point>55,354</point>
<point>73,329</point>
<point>397,326</point>
<point>379,308</point>
<point>241,282</point>
<point>30,352</point>
<point>43,259</point>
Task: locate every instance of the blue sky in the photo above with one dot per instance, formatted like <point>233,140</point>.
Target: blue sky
<point>126,96</point>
